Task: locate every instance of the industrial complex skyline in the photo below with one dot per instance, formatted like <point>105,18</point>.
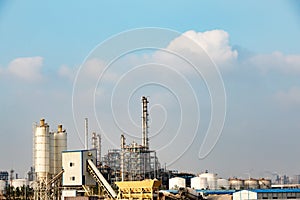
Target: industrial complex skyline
<point>63,62</point>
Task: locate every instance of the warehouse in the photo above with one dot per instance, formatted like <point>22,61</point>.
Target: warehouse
<point>267,194</point>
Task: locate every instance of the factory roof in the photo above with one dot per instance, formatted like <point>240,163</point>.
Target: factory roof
<point>285,190</point>
<point>216,191</point>
<point>219,192</point>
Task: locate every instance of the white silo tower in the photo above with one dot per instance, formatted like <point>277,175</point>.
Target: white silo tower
<point>47,156</point>
<point>42,151</point>
<point>60,144</point>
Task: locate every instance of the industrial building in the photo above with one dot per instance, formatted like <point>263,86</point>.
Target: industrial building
<point>267,194</point>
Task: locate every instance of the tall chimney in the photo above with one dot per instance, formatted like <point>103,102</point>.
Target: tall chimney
<point>145,140</point>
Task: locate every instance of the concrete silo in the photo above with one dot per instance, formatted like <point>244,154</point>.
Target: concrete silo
<point>60,144</point>
<point>41,151</point>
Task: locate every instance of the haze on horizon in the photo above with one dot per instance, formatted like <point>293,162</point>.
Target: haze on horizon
<point>254,44</point>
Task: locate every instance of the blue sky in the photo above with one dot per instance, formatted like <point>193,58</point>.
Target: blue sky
<point>42,45</point>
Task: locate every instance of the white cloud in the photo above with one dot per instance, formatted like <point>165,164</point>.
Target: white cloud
<point>95,68</point>
<point>67,72</point>
<point>215,43</point>
<point>26,68</point>
<point>277,61</point>
<point>290,98</point>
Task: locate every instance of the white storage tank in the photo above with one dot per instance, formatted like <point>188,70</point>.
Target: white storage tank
<point>18,183</point>
<point>2,186</point>
<point>236,184</point>
<point>42,150</point>
<point>60,145</point>
<point>176,183</point>
<point>211,180</point>
<point>264,183</point>
<point>223,184</point>
<point>199,183</point>
<point>251,183</point>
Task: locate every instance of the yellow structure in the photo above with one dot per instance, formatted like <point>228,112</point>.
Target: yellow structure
<point>141,190</point>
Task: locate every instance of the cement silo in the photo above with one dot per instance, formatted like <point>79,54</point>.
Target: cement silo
<point>42,151</point>
<point>60,144</point>
<point>47,156</point>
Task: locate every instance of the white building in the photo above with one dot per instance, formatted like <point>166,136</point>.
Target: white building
<point>243,195</point>
<point>75,167</point>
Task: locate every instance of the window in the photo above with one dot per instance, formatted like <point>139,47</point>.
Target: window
<point>72,178</point>
<point>72,164</point>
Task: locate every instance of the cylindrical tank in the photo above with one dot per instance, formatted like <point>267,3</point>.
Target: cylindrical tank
<point>236,184</point>
<point>211,180</point>
<point>60,144</point>
<point>18,183</point>
<point>223,184</point>
<point>199,183</point>
<point>264,183</point>
<point>2,186</point>
<point>42,150</point>
<point>176,183</point>
<point>251,183</point>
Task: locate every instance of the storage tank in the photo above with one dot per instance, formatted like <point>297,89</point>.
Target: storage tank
<point>199,183</point>
<point>264,183</point>
<point>236,184</point>
<point>42,150</point>
<point>176,183</point>
<point>251,183</point>
<point>223,184</point>
<point>60,144</point>
<point>211,180</point>
<point>2,186</point>
<point>18,183</point>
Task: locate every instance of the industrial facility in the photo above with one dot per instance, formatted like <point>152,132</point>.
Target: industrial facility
<point>131,172</point>
<point>134,162</point>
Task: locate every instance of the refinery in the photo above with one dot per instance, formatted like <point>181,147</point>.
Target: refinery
<point>131,172</point>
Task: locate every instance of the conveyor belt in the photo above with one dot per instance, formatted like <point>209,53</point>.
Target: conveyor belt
<point>92,169</point>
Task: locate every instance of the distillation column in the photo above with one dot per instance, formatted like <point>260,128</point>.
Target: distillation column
<point>145,139</point>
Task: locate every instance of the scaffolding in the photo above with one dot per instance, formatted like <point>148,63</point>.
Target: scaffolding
<point>134,162</point>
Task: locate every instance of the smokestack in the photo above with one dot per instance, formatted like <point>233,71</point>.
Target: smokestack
<point>86,133</point>
<point>145,140</point>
